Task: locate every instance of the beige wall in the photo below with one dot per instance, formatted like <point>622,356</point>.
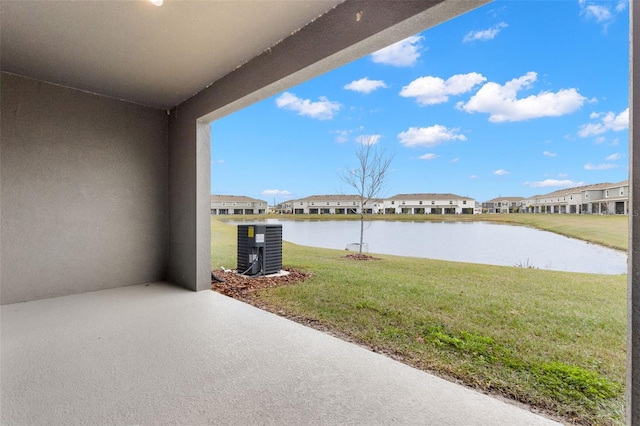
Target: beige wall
<point>84,185</point>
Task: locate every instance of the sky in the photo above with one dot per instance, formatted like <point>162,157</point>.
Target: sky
<point>515,98</point>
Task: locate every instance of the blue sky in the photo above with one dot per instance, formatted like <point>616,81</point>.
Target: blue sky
<point>515,98</point>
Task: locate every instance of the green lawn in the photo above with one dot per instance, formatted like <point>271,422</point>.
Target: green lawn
<point>554,340</point>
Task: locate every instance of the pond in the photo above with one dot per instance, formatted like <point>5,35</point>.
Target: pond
<point>472,242</point>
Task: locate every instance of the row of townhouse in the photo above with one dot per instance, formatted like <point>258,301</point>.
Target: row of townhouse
<point>601,198</point>
<point>503,205</point>
<point>398,204</point>
<point>237,204</point>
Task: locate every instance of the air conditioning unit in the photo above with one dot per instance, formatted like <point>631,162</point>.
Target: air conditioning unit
<point>259,249</point>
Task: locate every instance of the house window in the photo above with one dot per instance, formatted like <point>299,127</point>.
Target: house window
<point>300,203</point>
<point>327,203</point>
<point>354,203</point>
<point>403,203</point>
<point>450,202</point>
<point>312,203</point>
<point>586,195</point>
<point>464,201</point>
<point>606,193</point>
<point>621,191</point>
<point>433,202</point>
<point>338,202</point>
<point>419,202</point>
<point>393,202</point>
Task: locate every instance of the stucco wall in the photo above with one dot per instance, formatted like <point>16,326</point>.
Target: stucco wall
<point>84,185</point>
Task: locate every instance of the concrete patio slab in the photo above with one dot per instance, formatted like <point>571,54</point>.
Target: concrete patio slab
<point>159,354</point>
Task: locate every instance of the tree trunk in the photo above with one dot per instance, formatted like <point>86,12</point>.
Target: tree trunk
<point>361,229</point>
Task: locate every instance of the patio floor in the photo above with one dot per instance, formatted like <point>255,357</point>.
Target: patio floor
<point>159,354</point>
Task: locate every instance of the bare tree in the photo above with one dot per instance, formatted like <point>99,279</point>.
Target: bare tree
<point>369,177</point>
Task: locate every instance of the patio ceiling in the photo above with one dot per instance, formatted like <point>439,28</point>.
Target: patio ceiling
<point>135,51</point>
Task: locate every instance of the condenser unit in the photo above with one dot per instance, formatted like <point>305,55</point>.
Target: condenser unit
<point>259,249</point>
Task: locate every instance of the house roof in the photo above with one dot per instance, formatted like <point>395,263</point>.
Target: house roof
<point>577,189</point>
<point>336,197</point>
<point>622,183</point>
<point>162,56</point>
<point>498,199</point>
<point>234,199</point>
<point>446,196</point>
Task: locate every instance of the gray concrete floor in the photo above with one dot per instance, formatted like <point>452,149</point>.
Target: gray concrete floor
<point>158,354</point>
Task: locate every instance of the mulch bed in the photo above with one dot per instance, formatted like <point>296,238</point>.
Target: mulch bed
<point>240,286</point>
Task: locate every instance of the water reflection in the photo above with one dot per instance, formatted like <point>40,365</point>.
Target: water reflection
<point>473,242</point>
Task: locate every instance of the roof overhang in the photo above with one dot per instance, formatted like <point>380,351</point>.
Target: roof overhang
<point>162,56</point>
<point>135,51</point>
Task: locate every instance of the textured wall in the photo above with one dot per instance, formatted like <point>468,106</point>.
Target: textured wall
<point>84,184</point>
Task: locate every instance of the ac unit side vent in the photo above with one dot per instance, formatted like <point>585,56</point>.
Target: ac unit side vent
<point>259,249</point>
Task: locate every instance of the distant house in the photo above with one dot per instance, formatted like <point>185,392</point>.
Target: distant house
<point>330,204</point>
<point>237,204</point>
<point>600,198</point>
<point>503,205</point>
<point>429,204</point>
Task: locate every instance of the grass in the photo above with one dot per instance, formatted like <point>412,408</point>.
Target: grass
<point>554,340</point>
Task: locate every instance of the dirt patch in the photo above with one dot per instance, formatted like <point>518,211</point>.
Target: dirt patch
<point>356,256</point>
<point>240,286</point>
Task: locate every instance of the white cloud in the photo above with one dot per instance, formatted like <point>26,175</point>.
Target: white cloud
<point>342,136</point>
<point>324,109</point>
<point>214,162</point>
<point>483,35</point>
<point>364,85</point>
<point>473,177</point>
<point>548,183</point>
<point>404,53</point>
<point>434,90</point>
<point>429,136</point>
<point>607,122</point>
<point>613,157</point>
<point>454,160</point>
<point>600,13</point>
<point>276,193</point>
<point>501,172</point>
<point>501,102</point>
<point>605,166</point>
<point>368,139</point>
<point>549,154</point>
<point>603,13</point>
<point>429,156</point>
